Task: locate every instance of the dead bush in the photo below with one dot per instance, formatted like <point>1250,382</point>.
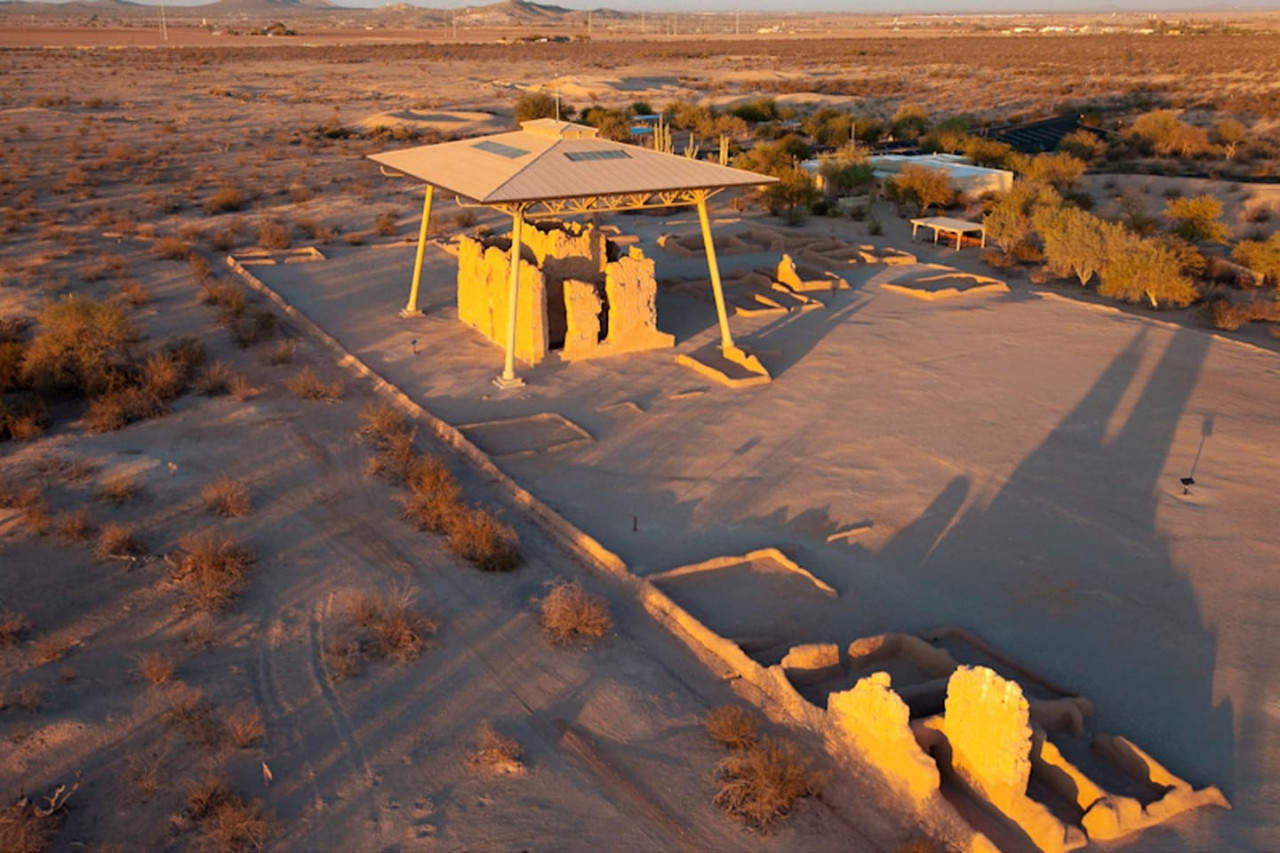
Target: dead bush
<point>215,379</point>
<point>132,293</point>
<point>117,409</point>
<point>732,726</point>
<point>227,497</point>
<point>155,666</point>
<point>274,235</point>
<point>283,353</point>
<point>393,628</point>
<point>116,542</point>
<point>35,512</point>
<point>244,727</point>
<point>256,326</point>
<point>227,821</point>
<point>341,658</point>
<point>385,224</point>
<point>28,698</point>
<point>144,774</point>
<point>75,526</point>
<point>224,200</point>
<point>242,389</point>
<point>12,627</point>
<point>119,489</point>
<point>759,784</point>
<point>570,613</point>
<point>211,569</point>
<point>308,386</point>
<point>81,347</point>
<point>23,830</point>
<point>381,421</point>
<point>171,249</point>
<point>476,536</point>
<point>163,377</point>
<point>495,752</point>
<point>189,712</point>
<point>187,351</point>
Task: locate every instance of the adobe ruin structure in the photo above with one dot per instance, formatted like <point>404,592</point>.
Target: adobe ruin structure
<point>557,168</point>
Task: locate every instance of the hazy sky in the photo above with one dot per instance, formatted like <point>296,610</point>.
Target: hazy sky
<point>902,7</point>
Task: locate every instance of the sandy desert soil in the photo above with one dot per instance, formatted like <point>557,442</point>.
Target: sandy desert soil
<point>1016,457</point>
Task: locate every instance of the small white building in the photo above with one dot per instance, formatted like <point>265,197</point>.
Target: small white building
<point>965,177</point>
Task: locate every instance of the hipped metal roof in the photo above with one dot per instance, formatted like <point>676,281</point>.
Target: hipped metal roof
<point>550,159</point>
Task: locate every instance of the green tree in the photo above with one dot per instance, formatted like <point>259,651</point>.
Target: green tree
<point>1059,170</point>
<point>868,131</point>
<point>792,195</point>
<point>774,158</point>
<point>847,171</point>
<point>1261,256</point>
<point>1229,134</point>
<point>1138,269</point>
<point>829,127</point>
<point>1197,219</point>
<point>1083,145</point>
<point>1163,133</point>
<point>949,135</point>
<point>984,151</point>
<point>532,105</point>
<point>921,185</point>
<point>910,121</point>
<point>1076,242</point>
<point>81,346</point>
<point>610,124</point>
<point>1008,218</point>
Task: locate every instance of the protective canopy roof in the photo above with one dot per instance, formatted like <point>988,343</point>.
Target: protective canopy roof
<point>549,159</point>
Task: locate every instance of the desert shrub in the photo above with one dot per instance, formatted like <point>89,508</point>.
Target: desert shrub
<point>381,422</point>
<point>1162,132</point>
<point>354,238</point>
<point>257,325</point>
<point>393,628</point>
<point>1228,134</point>
<point>163,376</point>
<point>212,569</point>
<point>475,535</point>
<point>79,346</point>
<point>568,613</point>
<point>24,419</point>
<point>759,784</point>
<point>1008,218</point>
<point>1076,242</point>
<point>227,497</point>
<point>984,151</point>
<point>847,171</point>
<point>189,712</point>
<point>921,186</point>
<point>171,249</point>
<point>283,353</point>
<point>12,627</point>
<point>244,728</point>
<point>732,726</point>
<point>531,105</point>
<point>117,409</point>
<point>1197,219</point>
<point>308,386</point>
<point>227,821</point>
<point>1140,268</point>
<point>119,489</point>
<point>385,224</point>
<point>494,751</point>
<point>242,389</point>
<point>274,234</point>
<point>133,293</point>
<point>1082,144</point>
<point>215,379</point>
<point>224,200</point>
<point>155,667</point>
<point>12,354</point>
<point>910,121</point>
<point>1261,256</point>
<point>75,526</point>
<point>115,542</point>
<point>23,829</point>
<point>1059,170</point>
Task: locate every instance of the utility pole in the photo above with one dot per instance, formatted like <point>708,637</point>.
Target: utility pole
<point>164,25</point>
<point>737,22</point>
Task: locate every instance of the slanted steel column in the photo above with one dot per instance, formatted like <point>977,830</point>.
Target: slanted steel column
<point>726,340</point>
<point>508,379</point>
<point>411,309</point>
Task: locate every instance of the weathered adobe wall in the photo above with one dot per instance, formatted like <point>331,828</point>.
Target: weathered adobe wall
<point>570,293</point>
<point>484,279</point>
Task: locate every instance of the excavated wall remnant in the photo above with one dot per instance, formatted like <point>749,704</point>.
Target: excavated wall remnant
<point>570,292</point>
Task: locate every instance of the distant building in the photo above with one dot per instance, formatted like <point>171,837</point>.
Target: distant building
<point>965,177</point>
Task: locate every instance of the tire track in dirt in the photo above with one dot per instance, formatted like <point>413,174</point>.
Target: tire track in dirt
<point>355,752</point>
